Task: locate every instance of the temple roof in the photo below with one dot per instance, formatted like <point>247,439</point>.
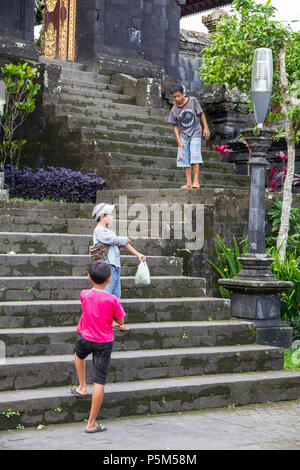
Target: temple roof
<point>192,7</point>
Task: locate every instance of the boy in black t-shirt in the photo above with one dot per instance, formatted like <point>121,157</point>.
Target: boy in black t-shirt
<point>185,117</point>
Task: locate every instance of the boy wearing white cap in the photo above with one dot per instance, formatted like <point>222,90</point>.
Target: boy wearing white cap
<point>102,213</point>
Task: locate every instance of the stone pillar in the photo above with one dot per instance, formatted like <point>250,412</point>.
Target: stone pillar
<point>211,21</point>
<point>17,31</point>
<point>227,111</point>
<point>255,288</point>
<point>136,37</point>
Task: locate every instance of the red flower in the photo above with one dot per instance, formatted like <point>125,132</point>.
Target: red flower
<point>282,155</point>
<point>222,150</point>
<point>275,178</point>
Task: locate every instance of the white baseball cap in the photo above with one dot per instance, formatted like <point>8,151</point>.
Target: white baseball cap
<point>102,209</point>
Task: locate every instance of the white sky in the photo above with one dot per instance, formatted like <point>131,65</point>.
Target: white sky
<point>287,10</point>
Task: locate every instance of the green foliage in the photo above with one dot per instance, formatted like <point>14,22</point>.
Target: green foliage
<point>20,94</point>
<point>228,59</point>
<point>289,270</point>
<point>292,358</point>
<point>228,264</point>
<point>293,242</point>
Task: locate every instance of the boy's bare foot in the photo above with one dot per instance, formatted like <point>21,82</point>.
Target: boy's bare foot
<point>196,185</point>
<point>186,186</point>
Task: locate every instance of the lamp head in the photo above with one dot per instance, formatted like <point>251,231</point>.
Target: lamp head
<point>261,83</point>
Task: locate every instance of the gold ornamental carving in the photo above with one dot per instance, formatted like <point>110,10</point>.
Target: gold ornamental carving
<point>71,36</point>
<point>50,42</point>
<point>63,30</point>
<point>51,4</point>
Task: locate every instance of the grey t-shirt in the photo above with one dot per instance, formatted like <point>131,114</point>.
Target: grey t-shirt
<point>187,117</point>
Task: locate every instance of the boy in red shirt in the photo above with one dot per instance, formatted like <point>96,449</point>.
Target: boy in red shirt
<point>100,311</point>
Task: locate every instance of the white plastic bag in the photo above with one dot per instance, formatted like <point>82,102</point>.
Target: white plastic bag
<point>143,274</point>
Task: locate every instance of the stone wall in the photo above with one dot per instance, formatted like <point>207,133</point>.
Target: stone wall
<point>16,30</point>
<point>122,36</point>
<point>191,47</point>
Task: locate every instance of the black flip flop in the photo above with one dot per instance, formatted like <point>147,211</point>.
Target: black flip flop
<point>100,428</point>
<point>77,394</point>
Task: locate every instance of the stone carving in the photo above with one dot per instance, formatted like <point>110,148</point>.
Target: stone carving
<point>71,36</point>
<point>63,31</point>
<point>50,42</point>
<point>51,5</point>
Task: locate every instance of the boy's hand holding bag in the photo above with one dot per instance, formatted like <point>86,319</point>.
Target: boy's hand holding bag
<point>143,274</point>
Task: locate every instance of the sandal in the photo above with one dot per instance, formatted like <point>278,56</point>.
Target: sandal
<point>186,186</point>
<point>79,395</point>
<point>196,186</point>
<point>100,428</point>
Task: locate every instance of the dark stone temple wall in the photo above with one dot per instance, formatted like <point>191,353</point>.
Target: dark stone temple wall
<point>139,30</point>
<point>16,30</point>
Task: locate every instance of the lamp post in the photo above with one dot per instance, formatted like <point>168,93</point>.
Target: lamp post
<point>255,288</point>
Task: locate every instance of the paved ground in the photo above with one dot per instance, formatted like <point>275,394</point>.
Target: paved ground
<point>269,426</point>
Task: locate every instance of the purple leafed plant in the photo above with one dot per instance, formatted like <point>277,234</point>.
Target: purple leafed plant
<point>53,183</point>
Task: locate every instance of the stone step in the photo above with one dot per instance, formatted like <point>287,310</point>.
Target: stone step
<point>40,209</point>
<point>67,66</point>
<point>69,226</point>
<point>57,243</point>
<point>101,124</point>
<point>77,265</point>
<point>111,114</point>
<point>146,161</point>
<point>107,99</point>
<point>129,137</point>
<point>69,288</point>
<point>107,102</point>
<point>161,335</point>
<point>11,223</point>
<point>56,405</point>
<point>169,196</point>
<point>162,184</point>
<point>85,84</point>
<point>84,76</point>
<point>102,93</point>
<point>42,313</point>
<point>177,175</point>
<point>97,96</point>
<point>118,146</point>
<point>126,366</point>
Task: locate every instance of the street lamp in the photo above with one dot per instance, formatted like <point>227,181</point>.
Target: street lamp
<point>255,288</point>
<point>261,83</point>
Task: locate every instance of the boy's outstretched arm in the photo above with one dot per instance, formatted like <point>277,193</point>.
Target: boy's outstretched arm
<point>134,252</point>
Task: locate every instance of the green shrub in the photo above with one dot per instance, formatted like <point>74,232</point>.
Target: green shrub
<point>293,242</point>
<point>229,265</point>
<point>290,300</point>
<point>20,96</point>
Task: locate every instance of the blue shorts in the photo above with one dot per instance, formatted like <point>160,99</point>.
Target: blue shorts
<point>190,154</point>
<point>114,286</point>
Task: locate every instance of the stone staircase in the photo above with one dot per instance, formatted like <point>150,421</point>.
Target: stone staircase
<point>140,144</point>
<point>184,351</point>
